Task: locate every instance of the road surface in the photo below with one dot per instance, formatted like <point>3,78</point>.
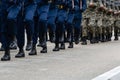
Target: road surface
<point>81,63</point>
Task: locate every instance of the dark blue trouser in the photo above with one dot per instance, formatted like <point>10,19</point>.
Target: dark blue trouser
<point>28,21</point>
<point>77,25</point>
<point>60,24</point>
<point>8,27</point>
<point>69,25</point>
<point>42,12</point>
<point>51,19</point>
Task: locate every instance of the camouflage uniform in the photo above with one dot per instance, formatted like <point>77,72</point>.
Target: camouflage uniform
<point>85,26</point>
<point>99,19</point>
<point>92,23</point>
<point>116,26</point>
<point>117,20</point>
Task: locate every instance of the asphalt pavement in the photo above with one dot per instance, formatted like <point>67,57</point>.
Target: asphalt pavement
<point>80,63</point>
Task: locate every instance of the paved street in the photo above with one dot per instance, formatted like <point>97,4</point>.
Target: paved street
<point>80,63</point>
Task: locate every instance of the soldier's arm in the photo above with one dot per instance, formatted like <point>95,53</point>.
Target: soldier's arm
<point>84,5</point>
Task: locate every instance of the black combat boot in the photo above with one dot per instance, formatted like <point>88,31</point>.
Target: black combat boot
<point>93,41</point>
<point>56,47</point>
<point>44,44</point>
<point>70,45</point>
<point>6,56</point>
<point>20,54</point>
<point>84,41</point>
<point>97,39</point>
<point>76,37</point>
<point>77,41</point>
<point>33,50</point>
<point>116,38</point>
<point>62,46</point>
<point>44,50</point>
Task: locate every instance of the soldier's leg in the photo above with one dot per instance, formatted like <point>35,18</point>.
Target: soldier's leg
<point>35,37</point>
<point>109,34</point>
<point>77,27</point>
<point>106,32</point>
<point>61,27</point>
<point>29,38</point>
<point>29,21</point>
<point>116,33</point>
<point>57,48</point>
<point>6,43</point>
<point>97,35</point>
<point>51,23</point>
<point>92,35</point>
<point>103,35</point>
<point>84,35</point>
<point>69,26</point>
<point>20,37</point>
<point>11,22</point>
<point>43,28</point>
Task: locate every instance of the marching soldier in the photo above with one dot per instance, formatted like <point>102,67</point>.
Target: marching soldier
<point>42,14</point>
<point>60,24</point>
<point>85,25</point>
<point>26,18</point>
<point>80,6</point>
<point>69,22</point>
<point>100,25</point>
<point>51,20</point>
<point>29,38</point>
<point>92,20</point>
<point>109,21</point>
<point>117,19</point>
<point>10,10</point>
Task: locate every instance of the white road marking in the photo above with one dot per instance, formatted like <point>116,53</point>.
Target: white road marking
<point>113,74</point>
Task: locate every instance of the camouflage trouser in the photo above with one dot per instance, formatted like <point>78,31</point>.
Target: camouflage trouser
<point>103,30</point>
<point>98,31</point>
<point>84,31</point>
<point>108,33</point>
<point>116,31</point>
<point>108,30</point>
<point>92,30</point>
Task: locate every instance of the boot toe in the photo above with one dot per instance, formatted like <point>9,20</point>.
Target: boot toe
<point>5,58</point>
<point>33,53</point>
<point>20,55</point>
<point>56,49</point>
<point>43,51</point>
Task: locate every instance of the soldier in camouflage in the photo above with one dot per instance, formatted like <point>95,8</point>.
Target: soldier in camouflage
<point>117,19</point>
<point>92,20</point>
<point>85,25</point>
